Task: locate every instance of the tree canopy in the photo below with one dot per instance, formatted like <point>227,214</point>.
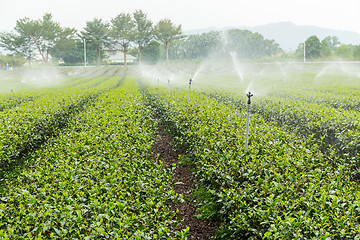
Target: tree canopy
<point>167,32</point>
<point>97,34</point>
<point>246,45</point>
<point>143,30</point>
<point>123,31</point>
<point>329,48</point>
<point>151,52</point>
<point>43,35</point>
<point>312,47</point>
<point>134,32</point>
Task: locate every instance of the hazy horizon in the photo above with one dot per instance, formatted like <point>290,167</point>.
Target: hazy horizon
<point>191,15</point>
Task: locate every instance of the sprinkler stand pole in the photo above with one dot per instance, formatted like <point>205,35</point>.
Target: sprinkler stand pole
<point>189,89</point>
<point>249,95</point>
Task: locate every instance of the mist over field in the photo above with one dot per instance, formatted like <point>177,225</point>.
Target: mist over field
<point>230,74</point>
<point>261,78</point>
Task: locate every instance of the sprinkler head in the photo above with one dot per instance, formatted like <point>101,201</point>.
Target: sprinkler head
<point>249,95</point>
<point>190,81</point>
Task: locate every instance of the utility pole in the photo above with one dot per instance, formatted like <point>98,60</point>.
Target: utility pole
<point>304,53</point>
<point>84,52</point>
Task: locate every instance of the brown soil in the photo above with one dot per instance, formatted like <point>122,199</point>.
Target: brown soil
<point>162,150</point>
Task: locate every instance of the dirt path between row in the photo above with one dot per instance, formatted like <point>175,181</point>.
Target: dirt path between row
<point>163,151</point>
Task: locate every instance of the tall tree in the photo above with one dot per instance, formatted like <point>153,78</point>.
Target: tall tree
<point>143,30</point>
<point>151,52</point>
<point>42,34</point>
<point>97,34</point>
<point>25,38</point>
<point>332,42</point>
<point>71,51</point>
<point>356,52</point>
<point>49,34</point>
<point>246,44</point>
<point>18,44</point>
<point>196,46</point>
<point>343,51</point>
<point>123,32</point>
<point>166,32</point>
<point>326,49</point>
<point>312,47</point>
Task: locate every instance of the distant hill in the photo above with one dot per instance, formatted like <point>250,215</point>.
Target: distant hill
<point>288,35</point>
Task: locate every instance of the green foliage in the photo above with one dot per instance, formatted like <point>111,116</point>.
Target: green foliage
<point>133,52</point>
<point>166,32</point>
<point>250,45</point>
<point>312,47</point>
<point>95,179</point>
<point>330,48</point>
<point>21,43</point>
<point>29,125</point>
<point>13,61</point>
<point>215,44</point>
<point>96,33</point>
<point>343,51</point>
<point>283,188</point>
<point>356,52</point>
<point>151,52</point>
<point>42,35</point>
<point>143,31</point>
<point>332,42</point>
<point>76,158</point>
<point>49,38</point>
<point>71,51</point>
<point>196,46</point>
<point>326,49</point>
<point>123,31</point>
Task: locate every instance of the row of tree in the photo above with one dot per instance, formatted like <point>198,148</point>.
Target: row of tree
<point>246,45</point>
<point>48,38</point>
<point>327,49</point>
<point>135,33</point>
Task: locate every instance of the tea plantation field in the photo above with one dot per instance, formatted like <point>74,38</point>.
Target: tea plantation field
<point>76,151</point>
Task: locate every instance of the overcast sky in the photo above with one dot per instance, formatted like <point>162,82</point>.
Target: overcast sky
<point>191,14</point>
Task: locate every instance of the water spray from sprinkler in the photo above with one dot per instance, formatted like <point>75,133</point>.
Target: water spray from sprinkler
<point>249,95</point>
<point>189,89</point>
